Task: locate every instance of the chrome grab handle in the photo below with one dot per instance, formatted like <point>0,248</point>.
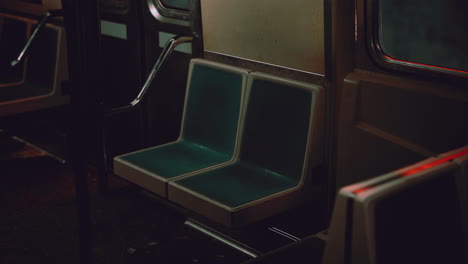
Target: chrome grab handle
<point>44,18</point>
<point>163,57</point>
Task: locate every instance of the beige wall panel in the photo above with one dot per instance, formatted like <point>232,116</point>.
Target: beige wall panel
<point>52,4</point>
<point>286,33</point>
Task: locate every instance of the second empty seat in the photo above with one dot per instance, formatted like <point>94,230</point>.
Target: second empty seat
<point>274,152</point>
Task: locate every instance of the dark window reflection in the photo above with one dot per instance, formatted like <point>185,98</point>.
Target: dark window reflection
<point>425,31</point>
<point>177,4</point>
<point>114,6</point>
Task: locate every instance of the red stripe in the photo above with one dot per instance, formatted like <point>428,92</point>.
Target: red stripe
<point>435,163</point>
<point>417,169</point>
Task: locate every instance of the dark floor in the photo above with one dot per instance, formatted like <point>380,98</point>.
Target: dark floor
<point>38,221</point>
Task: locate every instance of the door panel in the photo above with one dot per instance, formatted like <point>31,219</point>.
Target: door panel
<point>166,96</point>
<point>121,73</point>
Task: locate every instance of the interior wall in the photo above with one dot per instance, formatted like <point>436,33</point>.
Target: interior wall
<point>286,33</point>
<point>32,7</point>
<point>52,4</point>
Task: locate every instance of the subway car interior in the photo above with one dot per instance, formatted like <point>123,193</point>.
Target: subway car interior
<point>220,131</point>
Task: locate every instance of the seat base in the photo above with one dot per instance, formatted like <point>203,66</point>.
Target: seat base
<point>236,217</point>
<point>152,168</point>
<point>237,184</point>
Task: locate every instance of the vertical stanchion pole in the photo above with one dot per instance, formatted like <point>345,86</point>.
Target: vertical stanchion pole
<point>83,42</point>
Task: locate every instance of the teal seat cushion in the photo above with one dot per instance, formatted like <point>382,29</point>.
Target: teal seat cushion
<point>213,107</point>
<point>276,128</point>
<point>273,148</point>
<point>176,159</point>
<point>237,184</point>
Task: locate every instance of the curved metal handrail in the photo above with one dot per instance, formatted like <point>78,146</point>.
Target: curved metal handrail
<point>163,57</point>
<point>42,22</point>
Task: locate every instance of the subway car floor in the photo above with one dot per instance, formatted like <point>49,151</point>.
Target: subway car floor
<point>38,223</point>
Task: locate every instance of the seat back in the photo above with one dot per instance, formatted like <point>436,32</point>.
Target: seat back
<point>33,84</point>
<point>413,215</point>
<point>213,104</point>
<point>13,33</point>
<point>278,124</point>
<point>42,58</point>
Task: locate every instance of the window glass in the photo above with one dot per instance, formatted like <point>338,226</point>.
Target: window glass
<point>430,32</point>
<point>177,4</point>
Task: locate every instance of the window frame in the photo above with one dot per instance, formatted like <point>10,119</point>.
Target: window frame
<point>168,15</point>
<point>378,55</point>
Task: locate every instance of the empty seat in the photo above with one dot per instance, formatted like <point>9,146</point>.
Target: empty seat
<point>209,131</point>
<point>412,215</point>
<point>279,130</point>
<point>33,84</point>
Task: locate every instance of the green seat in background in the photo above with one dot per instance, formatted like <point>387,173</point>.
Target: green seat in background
<point>40,69</point>
<point>34,83</point>
<point>209,130</point>
<point>278,135</point>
